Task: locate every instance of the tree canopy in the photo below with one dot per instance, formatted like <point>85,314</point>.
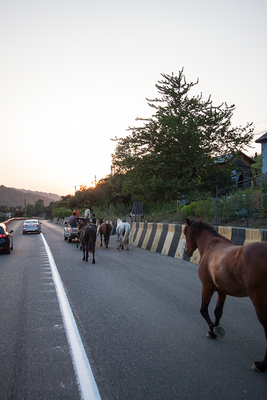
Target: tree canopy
<point>173,152</point>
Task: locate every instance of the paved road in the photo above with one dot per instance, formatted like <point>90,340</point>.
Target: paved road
<point>139,321</point>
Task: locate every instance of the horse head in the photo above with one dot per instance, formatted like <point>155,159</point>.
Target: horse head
<point>190,244</point>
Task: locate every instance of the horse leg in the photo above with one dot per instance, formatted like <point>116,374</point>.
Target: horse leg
<point>101,239</point>
<point>204,310</point>
<point>217,330</point>
<point>261,366</point>
<point>119,243</point>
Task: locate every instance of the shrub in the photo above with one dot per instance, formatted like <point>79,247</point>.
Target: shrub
<point>61,212</point>
<point>203,209</point>
<point>192,208</point>
<point>196,209</point>
<point>183,213</point>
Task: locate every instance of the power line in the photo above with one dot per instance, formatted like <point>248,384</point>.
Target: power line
<point>261,132</point>
<point>260,122</point>
<point>240,182</point>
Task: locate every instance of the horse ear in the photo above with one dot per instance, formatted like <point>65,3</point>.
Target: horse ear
<point>188,222</point>
<point>201,219</point>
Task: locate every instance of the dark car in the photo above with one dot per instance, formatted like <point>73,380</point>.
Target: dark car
<point>6,239</point>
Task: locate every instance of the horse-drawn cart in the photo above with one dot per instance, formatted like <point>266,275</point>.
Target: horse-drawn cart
<point>71,231</point>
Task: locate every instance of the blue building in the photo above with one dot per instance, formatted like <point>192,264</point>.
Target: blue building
<point>263,141</point>
<point>242,174</point>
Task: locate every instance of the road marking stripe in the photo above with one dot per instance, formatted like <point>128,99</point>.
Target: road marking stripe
<point>81,364</point>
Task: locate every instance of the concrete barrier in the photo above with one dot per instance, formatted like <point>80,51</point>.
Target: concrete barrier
<point>166,239</point>
<point>60,221</point>
<point>169,240</point>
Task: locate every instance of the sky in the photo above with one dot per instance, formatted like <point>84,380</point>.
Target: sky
<point>75,74</point>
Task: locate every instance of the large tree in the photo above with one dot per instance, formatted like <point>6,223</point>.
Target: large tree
<point>168,154</point>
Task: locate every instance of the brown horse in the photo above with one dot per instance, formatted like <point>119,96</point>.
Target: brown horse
<point>81,225</point>
<point>88,239</point>
<point>105,231</point>
<point>238,271</point>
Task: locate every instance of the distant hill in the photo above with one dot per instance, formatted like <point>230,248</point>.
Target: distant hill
<point>12,197</point>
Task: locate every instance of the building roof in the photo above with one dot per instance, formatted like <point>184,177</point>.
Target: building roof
<point>263,138</point>
<point>238,155</point>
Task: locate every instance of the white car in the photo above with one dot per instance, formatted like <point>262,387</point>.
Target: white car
<point>31,226</point>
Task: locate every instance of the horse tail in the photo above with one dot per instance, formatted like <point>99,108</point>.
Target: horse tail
<point>125,238</point>
<point>91,240</point>
<point>107,232</point>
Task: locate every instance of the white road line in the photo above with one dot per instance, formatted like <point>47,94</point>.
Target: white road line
<point>88,387</point>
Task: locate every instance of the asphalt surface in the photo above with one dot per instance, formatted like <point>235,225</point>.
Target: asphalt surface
<point>138,316</point>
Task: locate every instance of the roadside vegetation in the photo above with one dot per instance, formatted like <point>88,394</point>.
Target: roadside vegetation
<point>169,162</point>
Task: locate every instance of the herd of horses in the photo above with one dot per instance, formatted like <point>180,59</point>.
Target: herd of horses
<point>87,233</point>
<point>239,271</point>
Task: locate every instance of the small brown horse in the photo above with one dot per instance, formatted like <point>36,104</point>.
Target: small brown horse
<point>105,231</point>
<point>88,239</point>
<point>81,225</point>
<point>238,271</point>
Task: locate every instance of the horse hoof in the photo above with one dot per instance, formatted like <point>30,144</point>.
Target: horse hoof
<point>256,368</point>
<point>219,332</point>
<point>211,335</point>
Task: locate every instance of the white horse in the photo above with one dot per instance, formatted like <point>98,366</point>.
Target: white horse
<point>123,233</point>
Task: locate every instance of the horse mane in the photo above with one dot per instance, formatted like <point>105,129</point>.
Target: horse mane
<point>81,226</point>
<point>196,225</point>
